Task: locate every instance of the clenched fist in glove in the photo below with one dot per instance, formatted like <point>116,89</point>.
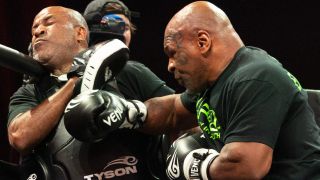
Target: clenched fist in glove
<point>93,114</point>
<point>188,158</point>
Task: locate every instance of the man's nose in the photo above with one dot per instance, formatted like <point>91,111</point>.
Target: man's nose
<point>39,31</point>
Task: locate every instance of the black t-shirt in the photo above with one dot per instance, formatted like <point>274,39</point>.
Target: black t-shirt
<point>136,81</point>
<point>257,100</point>
<point>124,154</point>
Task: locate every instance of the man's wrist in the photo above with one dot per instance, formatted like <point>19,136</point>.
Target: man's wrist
<point>206,170</point>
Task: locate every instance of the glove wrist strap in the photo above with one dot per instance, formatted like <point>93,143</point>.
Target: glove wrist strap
<point>142,112</point>
<point>205,166</point>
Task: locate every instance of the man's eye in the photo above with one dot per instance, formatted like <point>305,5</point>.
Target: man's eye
<point>172,53</point>
<point>48,23</point>
<point>127,27</point>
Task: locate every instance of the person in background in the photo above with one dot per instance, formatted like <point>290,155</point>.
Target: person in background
<point>109,19</point>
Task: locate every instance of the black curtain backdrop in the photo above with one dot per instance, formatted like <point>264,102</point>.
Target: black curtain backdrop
<point>288,30</point>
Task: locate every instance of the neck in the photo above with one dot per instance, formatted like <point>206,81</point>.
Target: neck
<point>65,68</point>
<point>222,59</point>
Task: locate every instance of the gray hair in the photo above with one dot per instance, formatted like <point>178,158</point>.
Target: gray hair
<point>79,20</point>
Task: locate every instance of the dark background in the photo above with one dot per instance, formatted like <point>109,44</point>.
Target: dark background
<point>288,30</point>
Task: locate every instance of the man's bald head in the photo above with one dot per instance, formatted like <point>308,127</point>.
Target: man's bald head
<point>199,38</point>
<point>73,16</point>
<point>200,15</point>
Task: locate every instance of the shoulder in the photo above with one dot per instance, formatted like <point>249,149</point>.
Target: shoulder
<point>256,64</point>
<point>135,69</point>
<point>22,100</point>
<point>134,66</point>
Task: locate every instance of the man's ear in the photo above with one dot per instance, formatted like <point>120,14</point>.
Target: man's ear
<point>81,34</point>
<point>204,41</point>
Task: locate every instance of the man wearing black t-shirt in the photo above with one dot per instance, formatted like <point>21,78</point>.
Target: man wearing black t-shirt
<point>35,127</point>
<point>254,113</point>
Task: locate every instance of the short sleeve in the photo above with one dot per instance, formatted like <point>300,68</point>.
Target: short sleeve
<point>189,101</point>
<point>21,101</point>
<point>256,111</point>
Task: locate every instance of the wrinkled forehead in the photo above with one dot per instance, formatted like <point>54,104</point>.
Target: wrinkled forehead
<point>170,35</point>
<point>50,12</point>
<point>173,31</point>
<point>171,38</point>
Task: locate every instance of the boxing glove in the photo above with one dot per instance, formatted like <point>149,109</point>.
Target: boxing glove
<point>78,66</point>
<point>188,158</point>
<point>93,114</point>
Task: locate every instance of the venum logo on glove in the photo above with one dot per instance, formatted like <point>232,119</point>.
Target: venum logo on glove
<point>128,164</point>
<point>114,116</point>
<point>173,170</point>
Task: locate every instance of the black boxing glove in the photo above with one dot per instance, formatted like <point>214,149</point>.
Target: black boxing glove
<point>98,64</point>
<point>78,66</point>
<point>93,114</point>
<point>188,158</point>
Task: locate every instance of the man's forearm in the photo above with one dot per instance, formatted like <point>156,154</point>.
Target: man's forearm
<point>241,160</point>
<point>167,114</point>
<point>31,127</point>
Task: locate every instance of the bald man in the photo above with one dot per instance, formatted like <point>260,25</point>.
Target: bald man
<point>58,34</point>
<point>251,110</point>
<point>36,125</point>
<point>254,114</point>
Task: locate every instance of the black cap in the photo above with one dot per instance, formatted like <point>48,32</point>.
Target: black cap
<point>104,7</point>
<point>94,13</point>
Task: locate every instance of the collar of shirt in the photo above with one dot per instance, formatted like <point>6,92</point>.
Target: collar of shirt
<point>62,78</point>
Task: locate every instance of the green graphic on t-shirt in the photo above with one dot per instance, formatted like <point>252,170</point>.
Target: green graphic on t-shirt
<point>207,119</point>
<point>295,81</point>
